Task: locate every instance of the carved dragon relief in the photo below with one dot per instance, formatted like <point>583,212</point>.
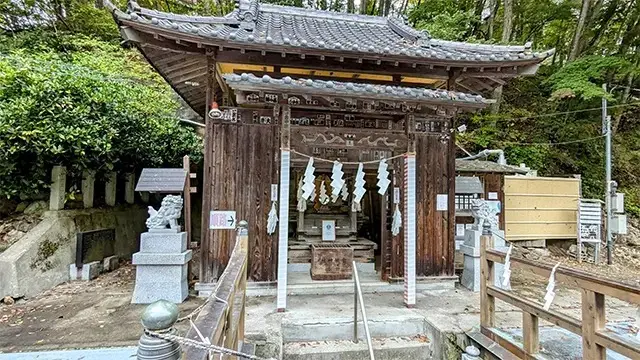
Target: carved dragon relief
<point>385,141</point>
<point>314,138</point>
<point>349,140</point>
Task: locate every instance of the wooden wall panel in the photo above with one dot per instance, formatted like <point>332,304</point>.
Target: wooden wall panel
<point>244,164</point>
<point>435,229</point>
<point>540,207</point>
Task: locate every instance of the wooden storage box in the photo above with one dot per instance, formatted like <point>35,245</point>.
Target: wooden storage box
<point>331,261</point>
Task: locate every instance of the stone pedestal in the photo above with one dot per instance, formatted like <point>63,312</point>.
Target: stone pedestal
<point>471,251</point>
<point>161,267</point>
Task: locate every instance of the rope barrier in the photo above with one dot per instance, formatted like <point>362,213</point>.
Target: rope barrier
<point>345,162</point>
<point>201,345</point>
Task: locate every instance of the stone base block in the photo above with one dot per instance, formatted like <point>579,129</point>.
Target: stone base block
<point>110,263</point>
<point>164,242</point>
<point>91,270</point>
<point>471,274</point>
<point>73,272</point>
<point>148,292</point>
<point>161,268</point>
<point>141,258</point>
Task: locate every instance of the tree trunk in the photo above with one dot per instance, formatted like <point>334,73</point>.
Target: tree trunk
<point>363,7</point>
<point>497,96</point>
<point>350,6</point>
<point>507,26</point>
<point>495,5</point>
<point>577,36</point>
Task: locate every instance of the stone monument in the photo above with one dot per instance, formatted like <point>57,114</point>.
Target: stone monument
<point>161,263</point>
<point>483,212</point>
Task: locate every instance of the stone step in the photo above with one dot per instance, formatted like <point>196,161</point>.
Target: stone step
<point>341,328</point>
<point>417,348</point>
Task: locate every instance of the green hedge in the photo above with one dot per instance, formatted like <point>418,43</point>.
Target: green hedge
<point>98,107</point>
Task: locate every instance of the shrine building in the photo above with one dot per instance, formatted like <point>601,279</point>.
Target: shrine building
<point>279,85</point>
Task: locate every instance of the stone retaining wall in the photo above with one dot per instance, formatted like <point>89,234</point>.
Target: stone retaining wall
<point>40,259</point>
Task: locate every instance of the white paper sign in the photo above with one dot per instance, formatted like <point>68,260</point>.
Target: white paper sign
<point>328,230</point>
<point>459,229</point>
<point>274,192</point>
<point>493,196</point>
<point>222,219</point>
<point>468,226</point>
<point>442,202</point>
<point>396,195</point>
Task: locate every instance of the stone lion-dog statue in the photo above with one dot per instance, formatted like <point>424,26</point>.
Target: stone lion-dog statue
<point>168,214</point>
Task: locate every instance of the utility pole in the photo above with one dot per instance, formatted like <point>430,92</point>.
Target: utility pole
<point>606,128</point>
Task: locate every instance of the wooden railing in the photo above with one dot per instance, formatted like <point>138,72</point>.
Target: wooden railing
<point>221,321</point>
<point>595,337</point>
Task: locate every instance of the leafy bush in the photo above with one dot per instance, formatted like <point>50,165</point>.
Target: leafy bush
<point>93,109</point>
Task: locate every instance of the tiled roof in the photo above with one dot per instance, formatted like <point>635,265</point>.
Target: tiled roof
<point>486,166</point>
<point>253,22</point>
<point>251,81</point>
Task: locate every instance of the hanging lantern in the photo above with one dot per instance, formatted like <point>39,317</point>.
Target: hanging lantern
<point>215,113</point>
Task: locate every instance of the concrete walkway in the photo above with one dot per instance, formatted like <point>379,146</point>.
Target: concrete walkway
<point>125,353</point>
<point>443,316</point>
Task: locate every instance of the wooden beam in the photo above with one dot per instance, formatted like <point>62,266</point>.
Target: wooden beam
<point>214,318</point>
<point>206,239</point>
<point>615,342</point>
<point>508,345</point>
<point>270,59</point>
<point>574,277</point>
<point>535,309</point>
<point>354,79</point>
<point>593,321</point>
<point>530,334</point>
<point>487,301</point>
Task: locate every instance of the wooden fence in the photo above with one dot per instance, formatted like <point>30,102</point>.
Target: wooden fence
<point>221,321</point>
<point>540,208</point>
<point>595,337</point>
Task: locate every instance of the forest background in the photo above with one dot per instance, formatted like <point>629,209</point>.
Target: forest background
<point>72,94</point>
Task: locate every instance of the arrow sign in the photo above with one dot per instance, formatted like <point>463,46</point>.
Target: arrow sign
<point>222,219</point>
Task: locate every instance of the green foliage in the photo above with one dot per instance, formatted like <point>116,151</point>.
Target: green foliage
<point>448,26</point>
<point>85,110</point>
<point>583,78</point>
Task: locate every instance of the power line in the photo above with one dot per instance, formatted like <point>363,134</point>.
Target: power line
<point>570,112</point>
<point>551,143</point>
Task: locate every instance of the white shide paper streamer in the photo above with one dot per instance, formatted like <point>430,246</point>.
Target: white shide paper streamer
<point>272,220</point>
<point>308,186</point>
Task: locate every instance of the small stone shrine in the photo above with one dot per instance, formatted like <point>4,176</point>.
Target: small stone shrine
<point>161,263</point>
<point>483,211</point>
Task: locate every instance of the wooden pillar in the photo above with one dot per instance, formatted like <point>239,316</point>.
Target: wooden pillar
<point>58,188</point>
<point>186,193</point>
<point>88,188</point>
<point>530,334</point>
<point>593,320</point>
<point>283,231</point>
<point>206,257</point>
<point>410,216</point>
<point>487,302</point>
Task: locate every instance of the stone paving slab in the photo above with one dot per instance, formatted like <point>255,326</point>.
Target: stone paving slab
<point>126,353</point>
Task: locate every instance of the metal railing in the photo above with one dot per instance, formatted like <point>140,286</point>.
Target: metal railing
<point>357,297</point>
